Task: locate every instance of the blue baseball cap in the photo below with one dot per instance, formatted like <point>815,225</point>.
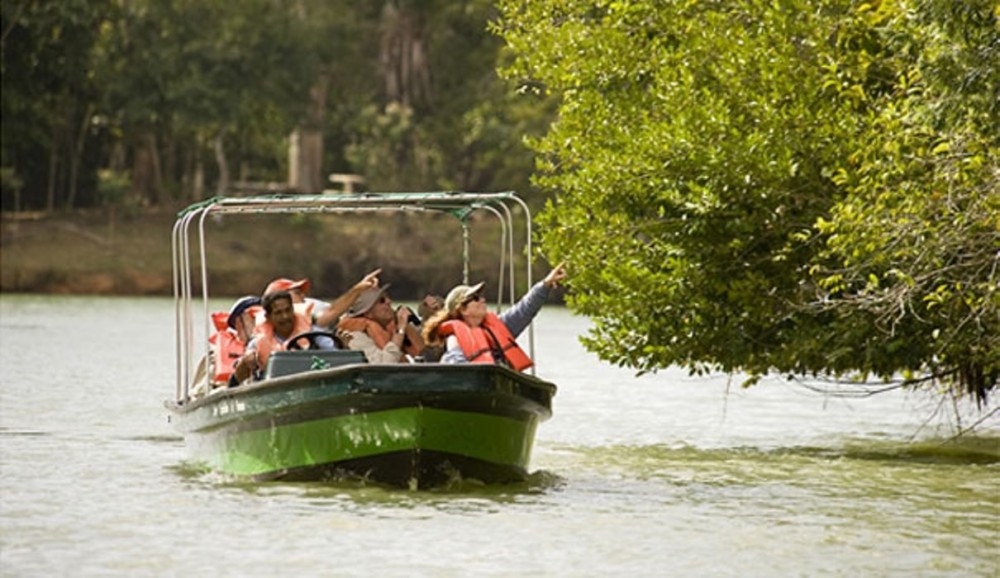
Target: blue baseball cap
<point>239,307</point>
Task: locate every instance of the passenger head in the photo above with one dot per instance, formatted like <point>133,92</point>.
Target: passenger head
<point>280,312</point>
<point>430,305</point>
<point>373,303</point>
<point>241,315</point>
<point>297,289</point>
<point>466,302</point>
<point>463,302</point>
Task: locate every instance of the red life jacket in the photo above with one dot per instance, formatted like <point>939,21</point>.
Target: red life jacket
<point>479,346</point>
<point>226,348</point>
<point>226,351</point>
<point>267,342</point>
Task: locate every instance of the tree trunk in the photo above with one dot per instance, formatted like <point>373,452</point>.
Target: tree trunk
<point>305,160</point>
<point>142,171</point>
<point>218,145</point>
<point>305,152</point>
<point>169,162</point>
<point>50,193</point>
<point>147,180</point>
<point>198,186</point>
<point>406,70</point>
<point>157,171</point>
<point>116,162</point>
<point>74,161</point>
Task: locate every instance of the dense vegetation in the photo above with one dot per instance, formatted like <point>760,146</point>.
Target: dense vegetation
<point>801,186</point>
<point>151,102</point>
<point>809,187</point>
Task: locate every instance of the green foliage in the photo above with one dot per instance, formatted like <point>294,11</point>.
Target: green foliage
<point>384,151</point>
<point>465,132</point>
<point>46,85</point>
<point>112,186</point>
<point>774,177</point>
<point>196,69</point>
<point>911,251</point>
<point>403,92</point>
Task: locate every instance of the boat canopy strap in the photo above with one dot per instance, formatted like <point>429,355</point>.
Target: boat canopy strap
<point>189,259</point>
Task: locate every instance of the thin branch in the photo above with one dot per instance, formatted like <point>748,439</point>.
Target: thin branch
<point>978,422</point>
<point>857,393</point>
<point>927,421</point>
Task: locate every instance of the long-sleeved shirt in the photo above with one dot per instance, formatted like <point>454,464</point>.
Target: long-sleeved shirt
<point>517,318</point>
<point>361,341</point>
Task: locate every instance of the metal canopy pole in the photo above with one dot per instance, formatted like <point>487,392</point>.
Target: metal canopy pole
<point>458,204</point>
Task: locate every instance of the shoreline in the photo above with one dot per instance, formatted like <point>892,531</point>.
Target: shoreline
<point>129,253</point>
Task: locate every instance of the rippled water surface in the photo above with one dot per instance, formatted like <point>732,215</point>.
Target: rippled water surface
<point>663,475</point>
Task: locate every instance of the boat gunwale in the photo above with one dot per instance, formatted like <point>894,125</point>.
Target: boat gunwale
<point>303,379</point>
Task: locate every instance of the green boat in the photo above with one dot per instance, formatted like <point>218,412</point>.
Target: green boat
<point>322,415</point>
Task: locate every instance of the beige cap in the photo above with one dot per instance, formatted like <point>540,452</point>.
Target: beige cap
<point>459,294</point>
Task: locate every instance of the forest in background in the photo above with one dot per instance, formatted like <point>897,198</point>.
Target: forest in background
<point>162,103</point>
<point>802,187</point>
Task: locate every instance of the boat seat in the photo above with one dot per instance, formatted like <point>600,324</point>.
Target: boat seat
<point>281,363</point>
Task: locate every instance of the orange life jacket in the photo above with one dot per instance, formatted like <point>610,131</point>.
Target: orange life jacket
<point>479,346</point>
<point>380,335</point>
<point>226,351</point>
<point>267,342</point>
<point>226,348</point>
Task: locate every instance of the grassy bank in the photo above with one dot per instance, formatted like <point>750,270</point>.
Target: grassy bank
<point>108,252</point>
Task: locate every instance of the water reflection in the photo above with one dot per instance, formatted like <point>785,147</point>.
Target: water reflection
<point>353,494</point>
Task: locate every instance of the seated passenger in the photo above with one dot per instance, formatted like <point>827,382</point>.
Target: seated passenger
<point>430,305</point>
<point>281,322</point>
<point>324,315</point>
<point>382,334</point>
<point>228,343</point>
<point>473,334</point>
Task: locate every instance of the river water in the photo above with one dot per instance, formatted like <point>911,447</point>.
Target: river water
<point>660,475</point>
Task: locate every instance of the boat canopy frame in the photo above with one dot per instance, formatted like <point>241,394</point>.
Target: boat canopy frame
<point>190,257</point>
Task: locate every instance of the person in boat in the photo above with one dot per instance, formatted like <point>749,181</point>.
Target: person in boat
<point>429,305</point>
<point>471,334</point>
<point>324,315</point>
<point>281,322</point>
<point>383,334</point>
<point>233,329</point>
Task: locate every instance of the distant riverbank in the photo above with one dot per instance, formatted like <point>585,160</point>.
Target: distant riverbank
<point>112,252</point>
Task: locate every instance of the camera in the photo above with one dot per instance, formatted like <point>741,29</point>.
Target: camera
<point>413,319</point>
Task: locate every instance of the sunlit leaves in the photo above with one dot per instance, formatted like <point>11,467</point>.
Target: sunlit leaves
<point>783,180</point>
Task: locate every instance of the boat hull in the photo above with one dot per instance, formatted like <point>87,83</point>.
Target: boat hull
<point>409,426</point>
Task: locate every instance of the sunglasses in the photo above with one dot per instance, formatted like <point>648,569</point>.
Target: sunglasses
<point>473,297</point>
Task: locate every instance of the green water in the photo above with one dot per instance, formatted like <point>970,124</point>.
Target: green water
<point>663,475</point>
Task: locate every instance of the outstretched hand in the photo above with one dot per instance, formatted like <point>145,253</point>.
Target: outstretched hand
<point>341,304</point>
<point>369,281</point>
<point>555,275</point>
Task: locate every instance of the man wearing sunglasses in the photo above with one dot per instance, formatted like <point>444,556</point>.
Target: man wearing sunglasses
<point>383,334</point>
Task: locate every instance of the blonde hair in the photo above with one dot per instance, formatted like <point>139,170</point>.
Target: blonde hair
<point>430,330</point>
